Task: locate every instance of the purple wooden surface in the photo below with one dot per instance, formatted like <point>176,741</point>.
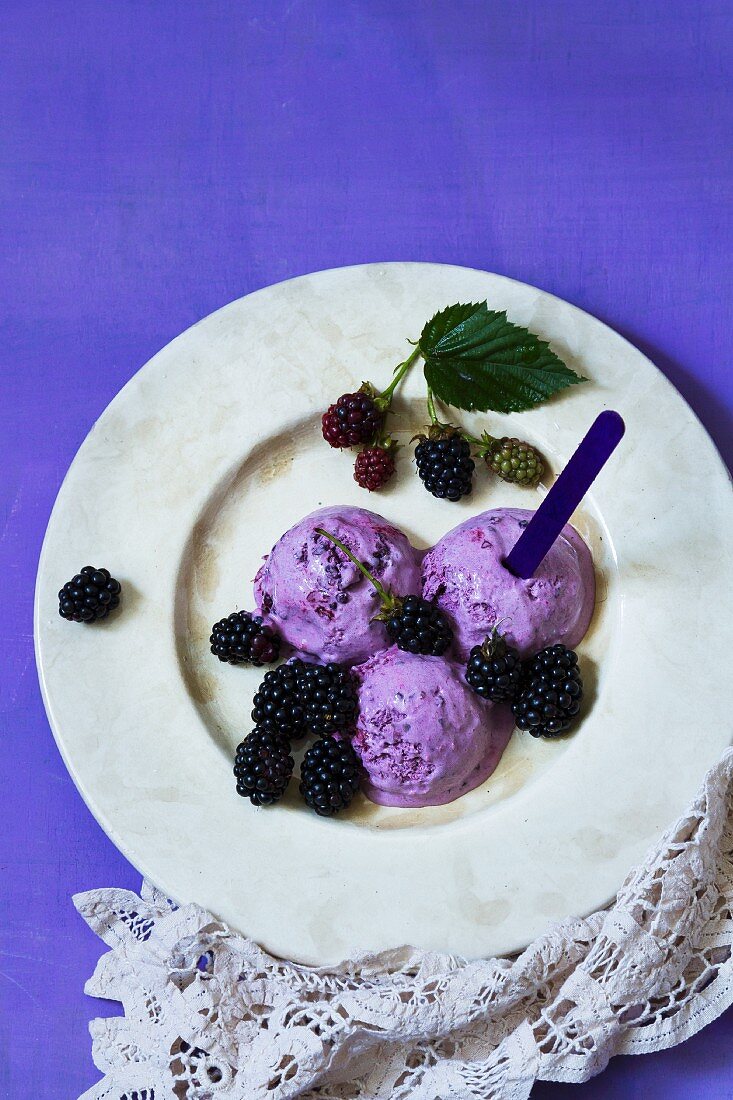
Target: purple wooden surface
<point>159,159</point>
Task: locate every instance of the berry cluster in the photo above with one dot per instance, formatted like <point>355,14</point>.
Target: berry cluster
<point>295,700</point>
<point>329,776</point>
<point>242,638</point>
<point>299,699</point>
<point>263,767</point>
<point>551,693</point>
<point>355,418</point>
<point>444,463</point>
<point>494,669</point>
<point>418,626</point>
<point>89,596</point>
<point>442,454</point>
<point>514,461</point>
<point>374,467</point>
<point>545,692</point>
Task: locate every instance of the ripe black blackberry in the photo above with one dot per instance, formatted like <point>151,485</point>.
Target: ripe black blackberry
<point>328,696</point>
<point>89,596</point>
<point>444,463</point>
<point>373,467</point>
<point>277,707</point>
<point>494,669</point>
<point>329,776</point>
<point>550,693</point>
<point>263,766</point>
<point>299,698</point>
<point>354,418</point>
<point>413,624</point>
<point>242,638</point>
<point>418,626</point>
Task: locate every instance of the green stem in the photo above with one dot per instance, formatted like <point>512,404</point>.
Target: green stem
<point>384,595</point>
<point>385,397</point>
<point>484,443</point>
<point>431,407</point>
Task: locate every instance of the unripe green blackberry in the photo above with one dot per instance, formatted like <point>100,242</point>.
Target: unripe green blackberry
<point>515,461</point>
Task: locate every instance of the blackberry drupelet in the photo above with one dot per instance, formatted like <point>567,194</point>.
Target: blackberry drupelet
<point>515,461</point>
<point>418,626</point>
<point>301,698</point>
<point>550,694</point>
<point>329,776</point>
<point>242,638</point>
<point>263,767</point>
<point>354,418</point>
<point>373,467</point>
<point>89,596</point>
<point>444,464</point>
<point>494,669</point>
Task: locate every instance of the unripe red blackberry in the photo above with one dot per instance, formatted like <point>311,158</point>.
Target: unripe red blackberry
<point>374,466</point>
<point>355,418</point>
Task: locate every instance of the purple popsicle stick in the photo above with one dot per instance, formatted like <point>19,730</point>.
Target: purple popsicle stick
<point>595,449</point>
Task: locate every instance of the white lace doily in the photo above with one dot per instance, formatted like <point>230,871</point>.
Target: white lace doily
<point>210,1016</point>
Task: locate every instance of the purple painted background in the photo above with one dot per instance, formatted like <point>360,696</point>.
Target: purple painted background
<point>158,159</point>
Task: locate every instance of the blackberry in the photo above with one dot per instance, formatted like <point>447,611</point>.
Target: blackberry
<point>355,418</point>
<point>444,463</point>
<point>513,460</point>
<point>263,766</point>
<point>276,706</point>
<point>550,693</point>
<point>374,467</point>
<point>300,698</point>
<point>418,626</point>
<point>494,669</point>
<point>329,776</point>
<point>89,596</point>
<point>413,624</point>
<point>242,639</point>
<point>328,694</point>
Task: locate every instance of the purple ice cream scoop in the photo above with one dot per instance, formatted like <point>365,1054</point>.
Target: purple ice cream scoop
<point>319,601</point>
<point>465,576</point>
<point>423,737</point>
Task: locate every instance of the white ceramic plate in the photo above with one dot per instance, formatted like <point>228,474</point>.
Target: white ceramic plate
<point>214,449</point>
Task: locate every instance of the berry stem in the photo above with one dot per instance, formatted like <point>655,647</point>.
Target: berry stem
<point>436,423</point>
<point>388,600</point>
<point>385,398</point>
<point>484,444</point>
<point>431,407</point>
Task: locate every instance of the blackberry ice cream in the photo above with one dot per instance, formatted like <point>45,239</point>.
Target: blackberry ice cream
<point>422,736</point>
<point>465,576</point>
<point>318,600</point>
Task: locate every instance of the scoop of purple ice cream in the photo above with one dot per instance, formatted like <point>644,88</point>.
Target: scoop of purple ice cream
<point>319,601</point>
<point>423,737</point>
<point>464,574</point>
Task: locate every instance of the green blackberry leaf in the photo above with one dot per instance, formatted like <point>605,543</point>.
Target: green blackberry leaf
<point>443,324</point>
<point>476,359</point>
